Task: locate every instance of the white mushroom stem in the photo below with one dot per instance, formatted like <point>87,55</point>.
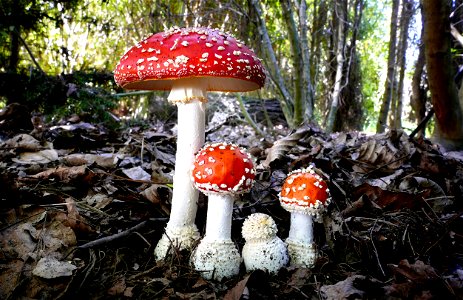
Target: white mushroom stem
<point>216,256</point>
<point>301,247</point>
<point>219,217</point>
<point>301,228</point>
<point>181,230</point>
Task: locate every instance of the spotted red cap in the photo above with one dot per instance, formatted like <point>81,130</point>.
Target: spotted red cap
<point>224,169</point>
<point>154,62</point>
<point>304,191</point>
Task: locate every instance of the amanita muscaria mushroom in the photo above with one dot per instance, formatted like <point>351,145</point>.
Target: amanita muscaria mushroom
<point>188,62</point>
<point>221,171</point>
<point>305,195</point>
<point>263,249</point>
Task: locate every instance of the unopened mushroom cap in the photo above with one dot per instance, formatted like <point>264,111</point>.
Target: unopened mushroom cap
<point>178,53</point>
<point>259,226</point>
<point>305,192</point>
<point>223,168</point>
<point>263,249</point>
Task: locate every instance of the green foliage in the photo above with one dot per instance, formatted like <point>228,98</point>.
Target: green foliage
<point>372,46</point>
<point>80,36</point>
<point>90,105</point>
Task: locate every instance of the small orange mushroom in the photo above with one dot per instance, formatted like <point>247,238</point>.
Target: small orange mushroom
<point>305,195</point>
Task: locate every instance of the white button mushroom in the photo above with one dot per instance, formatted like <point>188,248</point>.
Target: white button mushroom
<point>263,249</point>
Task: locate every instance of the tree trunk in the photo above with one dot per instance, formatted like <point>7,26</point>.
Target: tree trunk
<point>350,112</point>
<point>317,39</point>
<point>299,95</point>
<point>15,31</point>
<point>272,64</point>
<point>307,85</point>
<point>341,15</point>
<point>390,78</point>
<point>405,16</point>
<point>444,94</point>
<point>418,97</point>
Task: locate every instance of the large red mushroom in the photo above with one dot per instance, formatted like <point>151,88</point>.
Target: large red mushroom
<point>189,62</point>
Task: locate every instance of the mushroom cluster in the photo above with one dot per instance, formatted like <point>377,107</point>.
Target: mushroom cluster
<point>263,249</point>
<point>221,171</point>
<point>189,62</point>
<point>305,195</point>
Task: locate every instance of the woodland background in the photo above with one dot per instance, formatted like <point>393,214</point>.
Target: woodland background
<point>348,65</point>
<point>355,86</point>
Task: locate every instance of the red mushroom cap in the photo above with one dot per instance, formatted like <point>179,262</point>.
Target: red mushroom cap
<point>304,191</point>
<point>154,62</point>
<point>223,169</point>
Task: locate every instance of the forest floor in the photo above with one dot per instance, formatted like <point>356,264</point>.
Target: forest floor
<point>83,206</point>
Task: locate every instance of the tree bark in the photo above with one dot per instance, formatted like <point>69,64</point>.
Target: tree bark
<point>390,78</point>
<point>418,97</point>
<point>317,39</point>
<point>405,16</point>
<point>341,15</point>
<point>272,64</point>
<point>307,85</point>
<point>350,114</point>
<point>299,95</point>
<point>444,92</point>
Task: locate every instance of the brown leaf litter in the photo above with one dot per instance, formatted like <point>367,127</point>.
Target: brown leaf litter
<point>92,213</point>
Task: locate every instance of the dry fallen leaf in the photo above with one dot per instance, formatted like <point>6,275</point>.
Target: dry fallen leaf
<point>282,146</point>
<point>416,281</point>
<point>387,151</point>
<point>354,287</point>
<point>137,173</point>
<point>49,268</point>
<point>73,219</point>
<point>10,276</point>
<point>23,142</point>
<point>98,201</point>
<point>236,292</point>
<point>390,200</point>
<point>118,287</point>
<point>41,157</point>
<point>152,194</point>
<point>104,160</point>
<point>65,174</point>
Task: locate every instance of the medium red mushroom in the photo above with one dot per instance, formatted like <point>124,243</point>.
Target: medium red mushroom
<point>221,171</point>
<point>188,62</point>
<point>305,195</point>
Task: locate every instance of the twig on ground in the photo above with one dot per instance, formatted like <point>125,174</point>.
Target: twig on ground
<point>111,238</point>
<point>376,251</point>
